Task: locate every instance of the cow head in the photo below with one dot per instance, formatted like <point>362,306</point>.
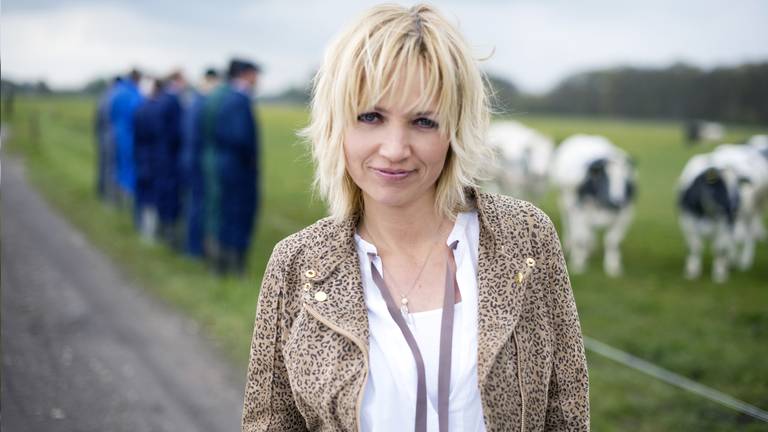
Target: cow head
<point>609,183</point>
<point>713,194</point>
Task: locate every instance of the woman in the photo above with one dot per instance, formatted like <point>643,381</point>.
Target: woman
<point>421,303</point>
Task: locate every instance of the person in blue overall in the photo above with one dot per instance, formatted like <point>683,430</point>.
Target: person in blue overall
<point>209,164</point>
<point>192,180</point>
<point>168,158</point>
<point>237,144</point>
<point>105,173</point>
<point>148,135</point>
<point>124,103</point>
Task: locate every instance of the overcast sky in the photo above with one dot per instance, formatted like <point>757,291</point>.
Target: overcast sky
<point>535,42</point>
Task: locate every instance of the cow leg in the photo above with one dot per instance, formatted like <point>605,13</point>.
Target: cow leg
<point>722,245</point>
<point>738,236</point>
<point>567,208</point>
<point>695,243</point>
<point>747,242</point>
<point>612,242</point>
<point>582,240</point>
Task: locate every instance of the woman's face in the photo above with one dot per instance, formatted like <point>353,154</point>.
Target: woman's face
<point>395,154</point>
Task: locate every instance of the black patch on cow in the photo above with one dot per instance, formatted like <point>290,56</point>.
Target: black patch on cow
<point>707,197</point>
<point>595,187</point>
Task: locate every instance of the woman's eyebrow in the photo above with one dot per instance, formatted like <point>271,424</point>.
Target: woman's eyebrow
<point>416,114</point>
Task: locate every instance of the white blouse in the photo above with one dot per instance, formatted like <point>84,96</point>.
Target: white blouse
<point>389,401</point>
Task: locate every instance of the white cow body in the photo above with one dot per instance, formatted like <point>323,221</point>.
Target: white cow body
<point>708,201</point>
<point>596,183</point>
<point>523,159</point>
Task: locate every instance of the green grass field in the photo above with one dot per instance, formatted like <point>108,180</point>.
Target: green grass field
<point>714,334</point>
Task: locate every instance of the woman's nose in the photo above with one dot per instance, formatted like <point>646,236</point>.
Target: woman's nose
<point>395,144</point>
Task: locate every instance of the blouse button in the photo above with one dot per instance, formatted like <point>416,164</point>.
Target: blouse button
<point>321,296</point>
<point>310,274</point>
<point>530,262</point>
<point>307,286</point>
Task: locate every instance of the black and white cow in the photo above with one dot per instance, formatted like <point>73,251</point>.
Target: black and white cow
<point>523,160</point>
<point>709,199</point>
<point>596,181</point>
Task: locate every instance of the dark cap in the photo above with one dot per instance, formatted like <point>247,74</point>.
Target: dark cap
<point>239,66</point>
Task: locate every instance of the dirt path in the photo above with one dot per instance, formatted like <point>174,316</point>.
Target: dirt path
<point>83,350</point>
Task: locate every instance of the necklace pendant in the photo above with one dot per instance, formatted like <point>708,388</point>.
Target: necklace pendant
<point>404,305</point>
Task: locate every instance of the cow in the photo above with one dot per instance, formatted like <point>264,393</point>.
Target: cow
<point>711,131</point>
<point>708,199</point>
<point>751,170</point>
<point>523,160</point>
<point>596,181</point>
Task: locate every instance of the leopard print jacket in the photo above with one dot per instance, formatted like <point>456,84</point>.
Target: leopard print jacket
<point>309,353</point>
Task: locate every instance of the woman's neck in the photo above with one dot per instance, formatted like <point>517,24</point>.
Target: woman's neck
<point>394,229</point>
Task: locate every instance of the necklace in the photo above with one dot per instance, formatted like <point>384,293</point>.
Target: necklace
<point>404,296</point>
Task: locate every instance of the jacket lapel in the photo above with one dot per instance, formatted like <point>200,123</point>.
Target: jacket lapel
<point>335,285</point>
<point>503,269</point>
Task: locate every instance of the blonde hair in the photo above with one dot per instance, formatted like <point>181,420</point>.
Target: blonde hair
<point>369,59</point>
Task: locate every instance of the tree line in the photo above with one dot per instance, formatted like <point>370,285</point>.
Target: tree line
<point>730,94</point>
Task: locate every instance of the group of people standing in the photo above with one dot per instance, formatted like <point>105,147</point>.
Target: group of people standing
<point>185,159</point>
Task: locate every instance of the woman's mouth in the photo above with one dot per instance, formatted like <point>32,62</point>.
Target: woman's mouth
<point>392,174</point>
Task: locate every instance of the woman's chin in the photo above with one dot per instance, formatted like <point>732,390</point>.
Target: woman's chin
<point>395,198</point>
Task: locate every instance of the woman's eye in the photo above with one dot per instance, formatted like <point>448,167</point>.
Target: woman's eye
<point>370,117</point>
<point>426,123</point>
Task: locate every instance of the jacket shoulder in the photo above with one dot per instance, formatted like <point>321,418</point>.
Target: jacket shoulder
<point>517,213</point>
<point>287,250</point>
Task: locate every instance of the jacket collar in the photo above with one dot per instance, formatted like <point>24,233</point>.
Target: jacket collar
<point>501,279</point>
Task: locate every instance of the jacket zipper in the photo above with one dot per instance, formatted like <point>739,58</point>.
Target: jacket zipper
<point>519,349</point>
<point>520,381</point>
<point>363,348</point>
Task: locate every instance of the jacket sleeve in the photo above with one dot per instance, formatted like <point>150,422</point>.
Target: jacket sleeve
<point>568,393</point>
<point>268,404</point>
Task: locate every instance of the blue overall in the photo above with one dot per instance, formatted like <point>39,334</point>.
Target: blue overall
<point>193,183</point>
<point>148,135</point>
<point>124,102</point>
<point>168,159</point>
<point>236,137</point>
